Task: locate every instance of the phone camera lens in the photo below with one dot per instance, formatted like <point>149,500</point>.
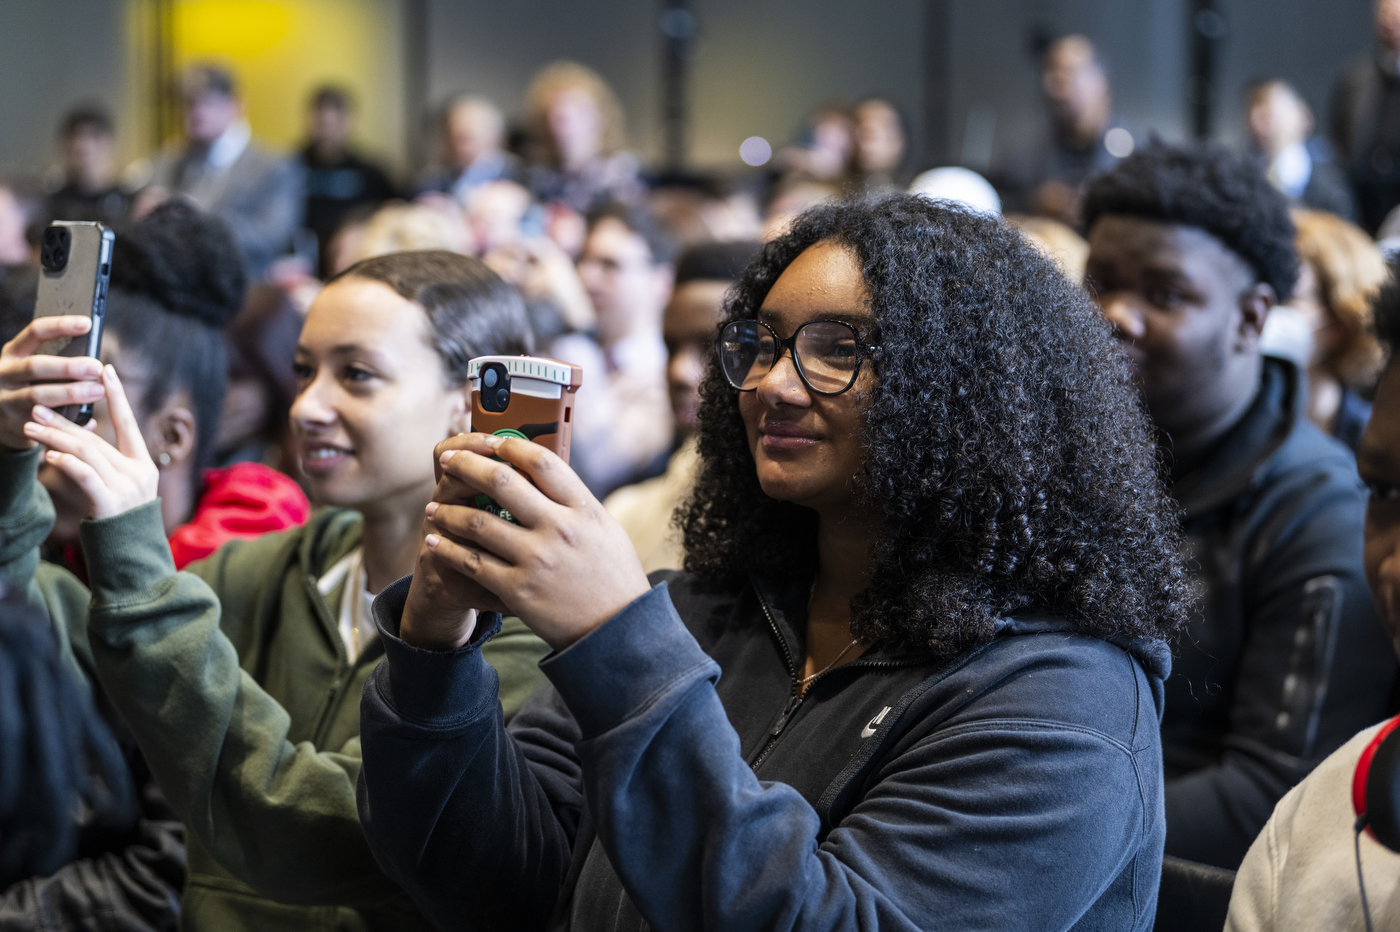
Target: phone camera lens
<point>490,377</point>
<point>503,398</point>
<point>53,251</point>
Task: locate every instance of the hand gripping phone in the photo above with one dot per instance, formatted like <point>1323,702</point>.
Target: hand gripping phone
<point>528,397</point>
<point>75,263</point>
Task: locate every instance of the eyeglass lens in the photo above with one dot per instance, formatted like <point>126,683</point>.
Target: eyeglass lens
<point>826,354</point>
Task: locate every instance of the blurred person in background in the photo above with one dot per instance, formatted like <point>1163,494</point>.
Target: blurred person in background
<point>881,146</point>
<point>824,149</point>
<point>690,327</point>
<point>241,678</point>
<point>1061,244</point>
<point>14,221</point>
<point>1280,126</point>
<point>576,138</point>
<point>400,227</point>
<point>1365,121</point>
<point>1283,661</point>
<point>1308,865</point>
<point>261,346</point>
<point>1046,175</point>
<point>705,209</point>
<point>791,197</point>
<point>622,421</point>
<point>218,166</point>
<point>472,135</point>
<point>87,144</point>
<point>337,179</point>
<point>1341,274</point>
<point>173,290</point>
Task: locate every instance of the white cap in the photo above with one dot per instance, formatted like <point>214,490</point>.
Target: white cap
<point>962,185</point>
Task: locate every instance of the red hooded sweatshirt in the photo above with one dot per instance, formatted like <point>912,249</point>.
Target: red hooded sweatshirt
<point>244,500</point>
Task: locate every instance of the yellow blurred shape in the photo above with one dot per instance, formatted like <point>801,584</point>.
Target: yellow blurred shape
<point>237,29</point>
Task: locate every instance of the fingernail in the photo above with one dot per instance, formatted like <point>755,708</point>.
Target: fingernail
<point>111,373</point>
<point>432,540</point>
<point>493,441</point>
<point>447,457</point>
<point>432,508</point>
<point>42,414</point>
<point>31,428</point>
<point>89,368</point>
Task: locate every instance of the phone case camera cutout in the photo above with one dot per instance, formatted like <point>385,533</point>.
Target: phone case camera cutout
<point>527,397</point>
<point>75,259</point>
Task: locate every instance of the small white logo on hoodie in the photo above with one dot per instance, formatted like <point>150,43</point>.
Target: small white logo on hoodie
<point>874,723</point>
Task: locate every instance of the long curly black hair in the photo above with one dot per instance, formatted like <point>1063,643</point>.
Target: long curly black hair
<point>1006,447</point>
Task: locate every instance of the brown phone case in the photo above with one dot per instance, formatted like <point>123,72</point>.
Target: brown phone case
<point>540,404</point>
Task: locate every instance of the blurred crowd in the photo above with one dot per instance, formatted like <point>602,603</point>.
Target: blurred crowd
<point>240,273</point>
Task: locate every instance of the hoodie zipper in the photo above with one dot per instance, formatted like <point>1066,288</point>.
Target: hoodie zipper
<point>795,700</point>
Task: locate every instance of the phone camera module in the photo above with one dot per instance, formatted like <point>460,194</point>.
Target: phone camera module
<point>53,251</point>
<point>495,388</point>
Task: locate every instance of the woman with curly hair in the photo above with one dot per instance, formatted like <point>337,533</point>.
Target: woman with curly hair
<point>931,557</point>
<point>1341,273</point>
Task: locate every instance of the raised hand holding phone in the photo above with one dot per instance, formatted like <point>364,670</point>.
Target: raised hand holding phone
<point>115,479</point>
<point>564,566</point>
<point>75,261</point>
<point>29,378</point>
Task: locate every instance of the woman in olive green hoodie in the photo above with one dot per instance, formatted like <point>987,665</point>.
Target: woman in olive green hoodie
<point>241,677</point>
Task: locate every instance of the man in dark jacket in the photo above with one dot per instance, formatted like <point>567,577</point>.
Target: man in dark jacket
<point>1366,121</point>
<point>1189,249</point>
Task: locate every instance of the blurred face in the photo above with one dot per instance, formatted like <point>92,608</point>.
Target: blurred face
<point>14,248</point>
<point>330,126</point>
<point>372,400</point>
<point>1278,119</point>
<point>576,125</point>
<point>1075,86</point>
<point>879,137</point>
<point>1378,462</point>
<point>1307,300</point>
<point>1175,296</point>
<point>87,158</point>
<point>807,447</point>
<point>208,116</point>
<point>1388,24</point>
<point>473,130</point>
<point>627,288</point>
<point>689,329</point>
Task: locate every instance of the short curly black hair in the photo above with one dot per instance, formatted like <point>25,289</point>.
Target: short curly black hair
<point>1206,186</point>
<point>1006,446</point>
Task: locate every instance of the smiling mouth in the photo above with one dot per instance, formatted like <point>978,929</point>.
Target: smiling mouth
<point>321,458</point>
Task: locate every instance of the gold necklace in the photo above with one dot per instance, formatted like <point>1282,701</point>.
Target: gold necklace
<point>802,683</point>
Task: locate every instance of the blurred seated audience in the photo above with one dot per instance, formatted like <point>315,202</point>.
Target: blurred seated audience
<point>14,223</point>
<point>911,676</point>
<point>690,327</point>
<point>261,196</point>
<point>261,344</point>
<point>1306,869</point>
<point>338,179</point>
<point>577,135</point>
<point>1066,248</point>
<point>1365,121</point>
<point>88,190</point>
<point>1341,273</point>
<point>241,678</point>
<point>173,290</point>
<point>962,185</point>
<point>881,146</point>
<point>1045,174</point>
<point>698,209</point>
<point>472,136</point>
<point>1280,127</point>
<point>622,420</point>
<point>1189,249</point>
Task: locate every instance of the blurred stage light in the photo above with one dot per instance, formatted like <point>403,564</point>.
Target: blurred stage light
<point>1119,142</point>
<point>755,151</point>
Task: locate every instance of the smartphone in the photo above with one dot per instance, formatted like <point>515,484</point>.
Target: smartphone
<point>527,397</point>
<point>75,264</point>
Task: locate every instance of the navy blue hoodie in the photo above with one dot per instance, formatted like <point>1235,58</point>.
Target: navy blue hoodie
<point>669,779</point>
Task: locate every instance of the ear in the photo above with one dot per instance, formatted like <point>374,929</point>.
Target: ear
<point>459,416</point>
<point>1255,303</point>
<point>174,434</point>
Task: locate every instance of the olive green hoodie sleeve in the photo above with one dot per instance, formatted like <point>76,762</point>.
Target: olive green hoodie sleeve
<point>277,815</point>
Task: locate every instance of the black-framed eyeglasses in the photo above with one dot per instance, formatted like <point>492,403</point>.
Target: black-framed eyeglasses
<point>827,354</point>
